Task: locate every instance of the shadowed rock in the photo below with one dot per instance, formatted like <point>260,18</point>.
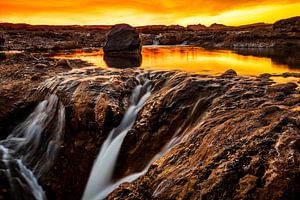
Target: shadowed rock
<point>2,56</point>
<point>2,40</point>
<point>131,60</point>
<point>122,38</point>
<point>64,63</point>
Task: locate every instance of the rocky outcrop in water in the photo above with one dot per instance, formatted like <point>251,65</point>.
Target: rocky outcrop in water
<point>122,38</point>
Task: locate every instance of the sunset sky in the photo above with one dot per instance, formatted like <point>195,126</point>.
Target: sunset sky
<point>141,12</point>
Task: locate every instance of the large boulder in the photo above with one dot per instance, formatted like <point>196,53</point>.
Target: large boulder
<point>122,38</point>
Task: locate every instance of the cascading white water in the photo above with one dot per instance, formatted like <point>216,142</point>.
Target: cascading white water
<point>33,145</point>
<point>134,176</point>
<point>156,39</point>
<point>100,180</point>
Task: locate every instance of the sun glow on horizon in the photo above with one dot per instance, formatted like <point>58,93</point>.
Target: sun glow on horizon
<point>137,12</point>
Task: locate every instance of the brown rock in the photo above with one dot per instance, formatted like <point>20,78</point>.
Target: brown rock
<point>34,78</point>
<point>2,56</point>
<point>286,88</point>
<point>231,140</point>
<point>122,38</point>
<point>40,66</point>
<point>64,63</point>
<point>2,40</point>
<point>229,74</point>
<point>290,24</point>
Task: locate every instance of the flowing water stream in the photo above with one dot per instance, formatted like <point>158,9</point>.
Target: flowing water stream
<point>29,151</point>
<point>100,182</point>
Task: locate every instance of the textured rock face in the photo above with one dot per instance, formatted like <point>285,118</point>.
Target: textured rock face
<point>288,25</point>
<point>220,137</point>
<point>241,144</point>
<point>122,38</point>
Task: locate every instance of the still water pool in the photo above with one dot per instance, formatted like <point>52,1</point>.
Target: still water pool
<point>199,60</point>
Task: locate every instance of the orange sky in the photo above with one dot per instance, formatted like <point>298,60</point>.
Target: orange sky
<point>143,12</point>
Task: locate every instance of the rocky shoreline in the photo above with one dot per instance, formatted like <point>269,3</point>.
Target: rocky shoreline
<point>236,137</point>
<point>212,137</point>
<point>284,33</point>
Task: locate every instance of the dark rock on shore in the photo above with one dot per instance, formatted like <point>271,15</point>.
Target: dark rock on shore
<point>2,56</point>
<point>2,40</point>
<point>122,38</point>
<point>64,63</point>
<point>229,74</point>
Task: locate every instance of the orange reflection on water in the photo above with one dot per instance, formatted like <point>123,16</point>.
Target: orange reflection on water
<point>194,59</point>
<point>280,79</point>
<point>95,58</point>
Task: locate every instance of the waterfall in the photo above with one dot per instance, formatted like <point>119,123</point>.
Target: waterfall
<point>134,176</point>
<point>156,39</point>
<point>29,151</point>
<point>100,180</point>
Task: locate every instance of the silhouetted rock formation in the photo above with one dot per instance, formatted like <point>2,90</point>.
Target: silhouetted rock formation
<point>218,26</point>
<point>122,38</point>
<point>196,27</point>
<point>123,61</point>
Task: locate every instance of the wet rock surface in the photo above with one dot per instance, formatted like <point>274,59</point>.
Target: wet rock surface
<point>20,73</point>
<point>219,137</point>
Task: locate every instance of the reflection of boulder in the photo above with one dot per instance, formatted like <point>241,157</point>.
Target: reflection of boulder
<point>122,38</point>
<point>119,61</point>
